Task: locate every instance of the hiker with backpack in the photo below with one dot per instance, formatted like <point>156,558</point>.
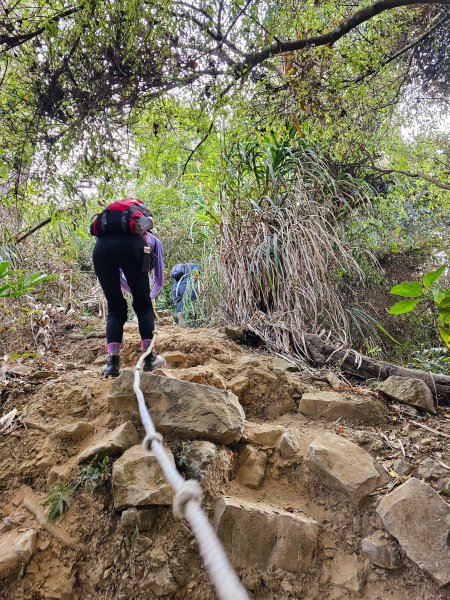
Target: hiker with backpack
<point>124,255</point>
<point>182,276</point>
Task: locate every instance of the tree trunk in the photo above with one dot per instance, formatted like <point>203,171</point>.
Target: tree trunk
<point>320,353</point>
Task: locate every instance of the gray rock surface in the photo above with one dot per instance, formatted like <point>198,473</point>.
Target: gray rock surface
<point>334,405</point>
<point>111,444</point>
<point>257,534</point>
<point>135,520</point>
<point>289,445</point>
<point>414,392</point>
<point>75,431</point>
<point>430,469</point>
<point>138,480</point>
<point>16,549</point>
<point>344,466</point>
<point>187,410</point>
<point>196,456</point>
<point>381,551</point>
<point>420,521</point>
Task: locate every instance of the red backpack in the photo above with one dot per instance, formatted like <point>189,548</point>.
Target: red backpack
<point>128,215</point>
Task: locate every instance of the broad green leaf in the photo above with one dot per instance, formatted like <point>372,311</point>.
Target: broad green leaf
<point>439,295</point>
<point>3,267</point>
<point>444,316</point>
<point>409,289</point>
<point>430,278</point>
<point>444,332</point>
<point>404,306</point>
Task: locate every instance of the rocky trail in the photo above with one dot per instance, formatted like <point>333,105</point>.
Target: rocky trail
<point>318,487</point>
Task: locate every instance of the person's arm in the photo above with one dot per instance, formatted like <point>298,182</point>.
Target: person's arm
<point>158,269</point>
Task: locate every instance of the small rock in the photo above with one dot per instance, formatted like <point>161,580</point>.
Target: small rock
<point>196,456</point>
<point>344,466</point>
<point>257,534</point>
<point>420,521</point>
<point>334,380</point>
<point>19,371</point>
<point>280,364</point>
<point>289,444</point>
<point>138,480</point>
<point>75,431</point>
<point>333,405</point>
<point>381,552</point>
<point>135,520</point>
<point>347,573</point>
<point>263,434</point>
<point>414,392</point>
<point>204,375</point>
<point>402,467</point>
<point>252,467</point>
<point>16,549</point>
<point>112,444</point>
<point>160,582</point>
<point>430,469</point>
<point>238,385</point>
<point>176,359</point>
<point>187,410</point>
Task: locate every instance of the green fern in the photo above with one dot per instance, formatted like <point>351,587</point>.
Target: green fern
<point>58,500</point>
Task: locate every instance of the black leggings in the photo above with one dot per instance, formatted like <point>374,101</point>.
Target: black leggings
<point>122,251</point>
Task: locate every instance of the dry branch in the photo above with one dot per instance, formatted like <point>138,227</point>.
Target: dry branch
<point>31,503</point>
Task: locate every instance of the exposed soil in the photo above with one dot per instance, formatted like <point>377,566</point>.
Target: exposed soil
<point>107,563</point>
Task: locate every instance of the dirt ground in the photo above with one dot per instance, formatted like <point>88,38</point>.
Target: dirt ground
<point>98,560</point>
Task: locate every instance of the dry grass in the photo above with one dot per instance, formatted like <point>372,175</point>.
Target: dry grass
<point>283,265</point>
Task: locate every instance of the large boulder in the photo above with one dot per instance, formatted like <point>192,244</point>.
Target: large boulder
<point>333,405</point>
<point>344,466</point>
<point>187,410</point>
<point>414,392</point>
<point>111,444</point>
<point>256,534</point>
<point>139,481</point>
<point>420,521</point>
<point>16,549</point>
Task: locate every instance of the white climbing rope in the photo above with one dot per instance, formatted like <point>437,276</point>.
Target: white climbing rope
<point>187,504</point>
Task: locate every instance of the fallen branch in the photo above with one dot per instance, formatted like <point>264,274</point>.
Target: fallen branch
<point>321,353</point>
<point>432,431</point>
<point>31,503</point>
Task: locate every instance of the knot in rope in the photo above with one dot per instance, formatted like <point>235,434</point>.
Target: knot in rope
<point>189,490</point>
<point>150,438</point>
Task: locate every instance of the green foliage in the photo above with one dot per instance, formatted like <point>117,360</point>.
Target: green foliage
<point>432,359</point>
<point>13,282</point>
<point>58,500</point>
<point>94,474</point>
<point>436,301</point>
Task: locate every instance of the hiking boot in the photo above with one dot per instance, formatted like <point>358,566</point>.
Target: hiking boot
<point>111,368</point>
<point>153,361</point>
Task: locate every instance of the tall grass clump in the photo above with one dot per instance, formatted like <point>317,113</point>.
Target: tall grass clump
<point>284,258</point>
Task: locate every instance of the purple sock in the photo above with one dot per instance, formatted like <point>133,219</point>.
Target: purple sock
<point>113,348</point>
<point>145,344</point>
